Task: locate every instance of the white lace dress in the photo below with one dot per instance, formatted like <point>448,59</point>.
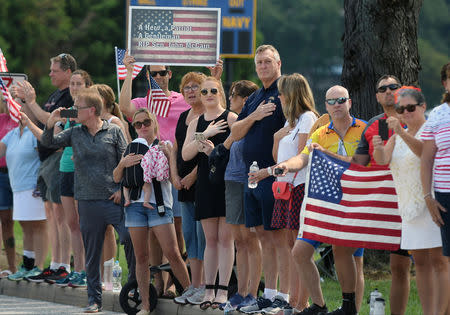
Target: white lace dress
<point>418,229</point>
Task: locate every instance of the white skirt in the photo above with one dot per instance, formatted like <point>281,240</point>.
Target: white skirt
<point>28,208</point>
<point>421,233</point>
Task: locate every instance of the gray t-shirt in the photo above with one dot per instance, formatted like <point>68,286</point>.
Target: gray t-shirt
<point>94,157</point>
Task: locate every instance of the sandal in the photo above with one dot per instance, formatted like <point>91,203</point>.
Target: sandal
<point>216,305</point>
<point>169,294</point>
<point>206,304</point>
<point>5,273</point>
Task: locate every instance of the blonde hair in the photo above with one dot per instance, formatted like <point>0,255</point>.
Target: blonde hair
<point>222,101</point>
<point>297,95</point>
<point>92,99</point>
<point>150,116</point>
<point>109,99</point>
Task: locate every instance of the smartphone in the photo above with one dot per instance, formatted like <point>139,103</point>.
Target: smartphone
<point>383,131</point>
<point>69,113</point>
<point>278,171</point>
<point>199,136</point>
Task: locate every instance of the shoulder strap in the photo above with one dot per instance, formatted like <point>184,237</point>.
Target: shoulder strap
<point>158,191</point>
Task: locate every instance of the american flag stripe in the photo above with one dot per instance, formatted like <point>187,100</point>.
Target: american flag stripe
<point>155,48</point>
<point>349,205</point>
<point>121,69</point>
<point>3,67</point>
<point>158,103</point>
<point>13,106</point>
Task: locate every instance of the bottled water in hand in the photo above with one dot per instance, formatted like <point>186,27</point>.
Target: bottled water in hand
<point>117,277</point>
<point>253,168</point>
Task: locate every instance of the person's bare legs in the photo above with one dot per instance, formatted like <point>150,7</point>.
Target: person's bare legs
<point>73,222</point>
<point>303,254</point>
<point>27,235</point>
<point>346,271</point>
<point>298,293</point>
<point>226,258</point>
<point>167,239</point>
<point>7,228</point>
<point>178,222</point>
<point>269,264</point>
<point>63,234</point>
<point>147,189</point>
<point>109,246</point>
<point>211,263</point>
<point>400,269</point>
<point>359,294</point>
<point>283,254</point>
<point>40,241</point>
<point>196,266</point>
<point>139,237</point>
<point>52,232</point>
<point>242,259</point>
<point>156,259</point>
<point>126,196</point>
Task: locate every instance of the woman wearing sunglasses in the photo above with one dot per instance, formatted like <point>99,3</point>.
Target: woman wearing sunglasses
<point>214,127</point>
<point>420,234</point>
<point>140,219</point>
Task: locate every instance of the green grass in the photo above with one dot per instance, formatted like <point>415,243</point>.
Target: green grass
<point>330,288</point>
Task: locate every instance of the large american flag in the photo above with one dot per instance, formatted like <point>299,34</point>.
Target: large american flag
<point>121,70</point>
<point>3,67</point>
<point>349,205</point>
<point>13,106</point>
<point>158,103</point>
<point>178,36</point>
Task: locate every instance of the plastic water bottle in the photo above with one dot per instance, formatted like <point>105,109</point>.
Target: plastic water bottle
<point>375,294</point>
<point>228,309</point>
<point>253,168</point>
<point>379,305</point>
<point>117,277</point>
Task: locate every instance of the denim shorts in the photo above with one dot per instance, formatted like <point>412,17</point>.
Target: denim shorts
<point>358,252</point>
<point>6,197</point>
<point>136,215</point>
<point>194,237</point>
<point>258,204</point>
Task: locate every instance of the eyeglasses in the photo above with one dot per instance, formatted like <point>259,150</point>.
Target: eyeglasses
<point>139,124</point>
<point>339,100</point>
<point>392,87</point>
<point>192,88</point>
<point>162,73</point>
<point>213,91</point>
<point>410,108</point>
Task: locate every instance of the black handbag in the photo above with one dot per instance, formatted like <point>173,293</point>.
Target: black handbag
<point>218,161</point>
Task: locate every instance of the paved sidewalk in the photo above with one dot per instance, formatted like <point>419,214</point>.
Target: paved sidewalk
<point>78,297</point>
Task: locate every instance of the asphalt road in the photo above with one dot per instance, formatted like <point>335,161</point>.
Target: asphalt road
<point>13,305</point>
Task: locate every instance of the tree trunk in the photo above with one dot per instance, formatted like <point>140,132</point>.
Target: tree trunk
<point>380,38</point>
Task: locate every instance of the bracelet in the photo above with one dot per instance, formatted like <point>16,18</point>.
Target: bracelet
<point>269,171</point>
<point>427,195</point>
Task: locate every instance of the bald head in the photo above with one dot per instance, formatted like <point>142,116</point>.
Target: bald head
<point>336,90</point>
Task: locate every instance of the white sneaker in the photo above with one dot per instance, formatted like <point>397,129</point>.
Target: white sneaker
<point>182,299</point>
<point>197,297</point>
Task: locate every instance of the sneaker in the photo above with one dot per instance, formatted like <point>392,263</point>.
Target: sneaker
<point>260,304</point>
<point>19,274</point>
<point>338,311</point>
<point>65,282</point>
<point>182,300</point>
<point>79,280</point>
<point>33,272</point>
<point>197,297</point>
<point>61,273</point>
<point>40,277</point>
<point>278,304</point>
<point>235,300</point>
<point>248,300</point>
<point>92,308</point>
<point>313,310</point>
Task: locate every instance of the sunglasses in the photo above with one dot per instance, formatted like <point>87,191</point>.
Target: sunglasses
<point>410,108</point>
<point>339,100</point>
<point>392,87</point>
<point>162,73</point>
<point>139,124</point>
<point>191,88</point>
<point>213,91</point>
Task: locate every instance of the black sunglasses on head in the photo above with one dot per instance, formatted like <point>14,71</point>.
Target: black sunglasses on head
<point>392,87</point>
<point>339,100</point>
<point>410,108</point>
<point>214,91</point>
<point>162,73</point>
<point>139,124</point>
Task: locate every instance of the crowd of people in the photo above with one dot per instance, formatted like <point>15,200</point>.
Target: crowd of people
<point>182,188</point>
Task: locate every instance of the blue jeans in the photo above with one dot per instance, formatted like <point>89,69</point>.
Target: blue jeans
<point>194,237</point>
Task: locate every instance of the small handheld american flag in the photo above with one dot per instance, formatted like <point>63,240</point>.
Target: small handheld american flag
<point>13,106</point>
<point>158,103</point>
<point>3,67</point>
<point>121,70</point>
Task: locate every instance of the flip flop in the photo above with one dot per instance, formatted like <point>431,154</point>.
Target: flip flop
<point>5,273</point>
<point>205,305</point>
<point>168,295</point>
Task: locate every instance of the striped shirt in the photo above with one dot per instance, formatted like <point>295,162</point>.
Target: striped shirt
<point>437,128</point>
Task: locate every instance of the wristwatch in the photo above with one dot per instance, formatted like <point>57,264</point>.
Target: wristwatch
<point>269,171</point>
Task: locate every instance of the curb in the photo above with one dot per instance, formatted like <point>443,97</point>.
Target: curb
<point>78,297</point>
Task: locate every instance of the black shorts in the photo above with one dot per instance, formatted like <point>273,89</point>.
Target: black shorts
<point>401,252</point>
<point>66,184</point>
